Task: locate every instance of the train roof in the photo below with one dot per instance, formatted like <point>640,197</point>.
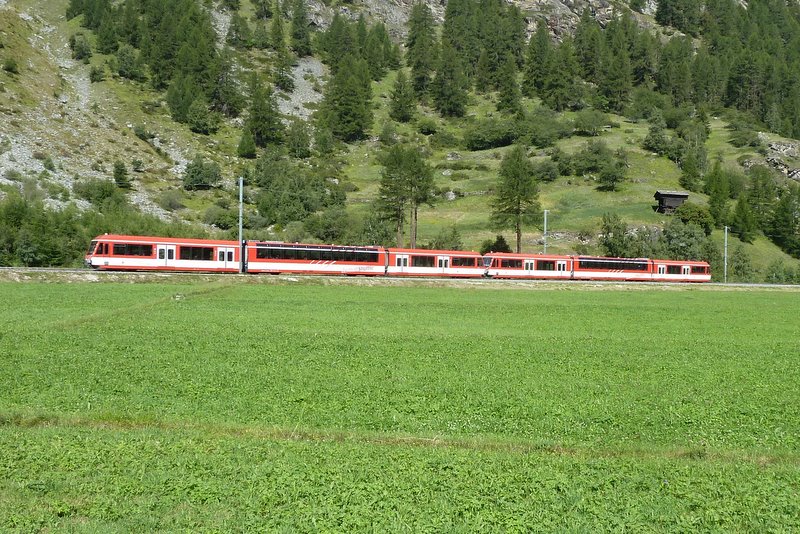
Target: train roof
<point>165,240</point>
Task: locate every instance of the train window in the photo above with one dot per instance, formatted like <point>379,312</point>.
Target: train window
<point>161,254</point>
<point>171,254</point>
<point>699,269</point>
<point>92,246</point>
<point>612,265</point>
<point>464,262</point>
<point>511,264</point>
<point>673,269</point>
<point>196,253</point>
<point>546,265</point>
<point>221,255</point>
<point>422,261</point>
<point>230,255</point>
<point>128,249</point>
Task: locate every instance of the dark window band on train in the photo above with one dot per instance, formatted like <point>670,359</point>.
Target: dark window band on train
<point>422,261</point>
<point>458,261</point>
<point>545,265</point>
<point>288,252</point>
<point>699,269</point>
<point>673,269</point>
<point>129,249</point>
<point>510,264</point>
<point>612,265</point>
<point>196,253</point>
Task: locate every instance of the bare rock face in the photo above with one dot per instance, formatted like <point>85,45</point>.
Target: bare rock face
<point>562,15</point>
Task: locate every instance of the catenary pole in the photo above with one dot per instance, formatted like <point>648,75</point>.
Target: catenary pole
<point>241,211</point>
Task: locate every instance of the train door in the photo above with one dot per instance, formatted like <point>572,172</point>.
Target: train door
<point>530,265</point>
<point>686,270</point>
<point>561,267</point>
<point>401,263</point>
<point>226,255</point>
<point>443,263</point>
<point>166,253</point>
<point>662,269</point>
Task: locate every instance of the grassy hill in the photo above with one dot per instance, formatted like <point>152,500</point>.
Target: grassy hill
<point>59,128</point>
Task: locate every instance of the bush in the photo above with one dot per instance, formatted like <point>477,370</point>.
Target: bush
<point>97,74</point>
<point>427,126</point>
<point>201,174</point>
<point>10,65</point>
<point>171,200</point>
<point>97,191</point>
<point>491,133</point>
<point>546,171</point>
<point>81,49</point>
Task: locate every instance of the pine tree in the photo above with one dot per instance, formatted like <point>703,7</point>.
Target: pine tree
<point>589,46</point>
<point>482,78</point>
<point>301,33</point>
<point>616,74</point>
<point>200,119</point>
<point>282,70</point>
<point>421,47</point>
<point>403,102</point>
<point>182,92</point>
<point>225,95</point>
<point>460,30</point>
<point>298,140</point>
<point>276,32</point>
<point>406,184</point>
<point>562,89</point>
<point>107,35</point>
<point>247,145</point>
<point>449,87</point>
<point>743,222</point>
<point>239,34</point>
<point>347,105</point>
<point>537,60</point>
<point>516,201</point>
<point>264,121</point>
<point>130,30</point>
<point>509,99</point>
<point>121,178</point>
<point>263,9</point>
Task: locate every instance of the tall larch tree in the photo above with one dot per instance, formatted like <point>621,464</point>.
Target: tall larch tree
<point>421,47</point>
<point>301,32</point>
<point>449,86</point>
<point>403,103</point>
<point>536,61</point>
<point>516,201</point>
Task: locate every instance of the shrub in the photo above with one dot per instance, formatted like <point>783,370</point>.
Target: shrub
<point>491,133</point>
<point>201,174</point>
<point>427,126</point>
<point>97,191</point>
<point>171,200</point>
<point>10,65</point>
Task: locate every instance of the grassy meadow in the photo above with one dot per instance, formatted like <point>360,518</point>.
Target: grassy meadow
<point>241,404</point>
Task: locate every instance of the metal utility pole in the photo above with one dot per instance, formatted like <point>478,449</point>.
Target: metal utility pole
<point>725,276</point>
<point>545,231</point>
<point>241,211</point>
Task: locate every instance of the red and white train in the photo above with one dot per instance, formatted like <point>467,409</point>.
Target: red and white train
<point>140,253</point>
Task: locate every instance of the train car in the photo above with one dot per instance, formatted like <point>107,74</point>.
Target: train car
<point>142,253</point>
<point>622,269</point>
<point>276,258</point>
<point>528,266</point>
<point>446,263</point>
<point>680,271</point>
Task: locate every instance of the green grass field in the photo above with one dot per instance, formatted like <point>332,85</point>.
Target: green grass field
<point>282,404</point>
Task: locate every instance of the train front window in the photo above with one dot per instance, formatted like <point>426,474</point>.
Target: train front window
<point>92,246</point>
